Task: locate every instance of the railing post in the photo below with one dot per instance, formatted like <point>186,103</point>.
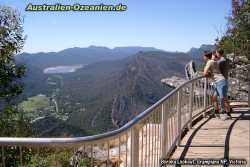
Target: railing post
<point>91,159</point>
<point>164,131</point>
<point>249,87</point>
<point>205,95</point>
<point>21,156</point>
<point>134,147</point>
<point>3,156</point>
<point>249,94</point>
<point>108,156</point>
<point>179,116</point>
<point>191,102</point>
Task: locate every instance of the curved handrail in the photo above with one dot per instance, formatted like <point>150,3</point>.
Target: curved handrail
<point>93,138</point>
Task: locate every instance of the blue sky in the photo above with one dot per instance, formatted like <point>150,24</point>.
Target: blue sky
<point>172,25</point>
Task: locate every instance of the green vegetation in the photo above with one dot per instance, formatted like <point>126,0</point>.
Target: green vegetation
<point>50,159</point>
<point>35,103</point>
<point>36,107</point>
<point>12,121</point>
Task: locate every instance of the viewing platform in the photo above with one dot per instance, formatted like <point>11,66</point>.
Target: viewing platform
<point>213,138</point>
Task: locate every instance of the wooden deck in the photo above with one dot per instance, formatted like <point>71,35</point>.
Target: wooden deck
<point>213,138</point>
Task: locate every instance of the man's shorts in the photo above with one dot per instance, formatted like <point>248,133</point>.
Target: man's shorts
<point>221,88</point>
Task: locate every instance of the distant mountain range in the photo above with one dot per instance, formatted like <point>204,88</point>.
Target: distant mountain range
<point>77,55</point>
<point>93,54</point>
<point>116,85</point>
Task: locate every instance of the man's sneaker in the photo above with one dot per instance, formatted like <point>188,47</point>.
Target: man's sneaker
<point>217,115</point>
<point>229,115</point>
<point>231,110</point>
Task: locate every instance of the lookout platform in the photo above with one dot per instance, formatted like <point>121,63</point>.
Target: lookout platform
<point>213,138</point>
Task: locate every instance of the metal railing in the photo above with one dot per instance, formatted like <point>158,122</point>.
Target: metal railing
<point>142,142</point>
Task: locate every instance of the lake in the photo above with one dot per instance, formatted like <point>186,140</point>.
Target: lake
<point>62,69</point>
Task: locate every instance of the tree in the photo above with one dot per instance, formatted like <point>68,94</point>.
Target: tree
<point>237,37</point>
<point>12,122</point>
<point>11,42</point>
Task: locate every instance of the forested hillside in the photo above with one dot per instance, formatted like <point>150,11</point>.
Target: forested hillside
<point>102,95</point>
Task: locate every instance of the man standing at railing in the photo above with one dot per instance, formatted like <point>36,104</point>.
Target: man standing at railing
<point>224,66</point>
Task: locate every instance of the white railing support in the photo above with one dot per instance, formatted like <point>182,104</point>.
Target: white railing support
<point>91,159</point>
<point>249,87</point>
<point>249,93</point>
<point>191,102</point>
<point>179,116</point>
<point>21,156</point>
<point>3,156</point>
<point>205,94</point>
<point>134,147</point>
<point>164,131</point>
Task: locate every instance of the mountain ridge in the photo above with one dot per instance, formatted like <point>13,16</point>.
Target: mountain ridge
<point>71,56</point>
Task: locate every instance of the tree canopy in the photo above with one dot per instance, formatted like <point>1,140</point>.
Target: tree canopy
<point>11,42</point>
<point>237,37</point>
<point>12,122</point>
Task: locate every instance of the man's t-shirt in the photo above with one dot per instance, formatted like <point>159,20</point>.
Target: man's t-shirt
<point>224,66</point>
<point>213,67</point>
